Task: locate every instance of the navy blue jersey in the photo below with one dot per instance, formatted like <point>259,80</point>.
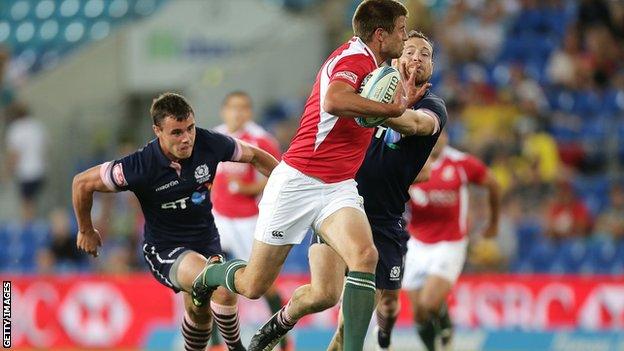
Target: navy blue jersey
<point>392,163</point>
<point>175,198</point>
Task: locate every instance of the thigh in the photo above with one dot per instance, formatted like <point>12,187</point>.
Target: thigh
<point>414,298</point>
<point>347,231</point>
<point>265,262</point>
<point>435,290</point>
<point>289,205</point>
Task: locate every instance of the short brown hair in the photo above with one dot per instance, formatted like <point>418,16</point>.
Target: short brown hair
<point>373,14</point>
<point>421,35</point>
<point>170,105</point>
<point>236,93</point>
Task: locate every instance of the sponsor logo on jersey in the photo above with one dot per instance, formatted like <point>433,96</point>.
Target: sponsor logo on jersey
<point>202,173</point>
<point>168,185</point>
<point>419,196</point>
<point>174,205</point>
<point>277,234</point>
<point>350,76</point>
<point>198,197</point>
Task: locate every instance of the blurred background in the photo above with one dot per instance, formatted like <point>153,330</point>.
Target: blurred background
<point>534,88</point>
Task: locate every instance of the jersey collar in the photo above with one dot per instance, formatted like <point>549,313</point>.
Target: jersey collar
<point>368,50</point>
<point>163,161</point>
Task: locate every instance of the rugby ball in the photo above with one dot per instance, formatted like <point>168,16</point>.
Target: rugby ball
<point>380,85</point>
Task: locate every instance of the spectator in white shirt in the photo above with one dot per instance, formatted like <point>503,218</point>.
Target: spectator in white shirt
<point>26,146</point>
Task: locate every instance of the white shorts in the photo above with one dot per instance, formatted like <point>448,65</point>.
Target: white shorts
<point>293,202</point>
<point>444,259</point>
<point>236,234</point>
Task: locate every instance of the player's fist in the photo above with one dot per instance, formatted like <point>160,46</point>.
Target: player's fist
<point>89,241</point>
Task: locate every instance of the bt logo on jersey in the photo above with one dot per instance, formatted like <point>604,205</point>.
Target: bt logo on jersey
<point>174,205</point>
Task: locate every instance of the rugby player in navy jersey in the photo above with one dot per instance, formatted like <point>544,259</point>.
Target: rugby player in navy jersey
<point>396,155</point>
<point>171,177</point>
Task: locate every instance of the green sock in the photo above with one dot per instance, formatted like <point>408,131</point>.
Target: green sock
<point>222,274</point>
<point>427,332</point>
<point>358,304</point>
<point>445,324</point>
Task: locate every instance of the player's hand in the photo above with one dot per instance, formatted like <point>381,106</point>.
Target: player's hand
<point>491,231</point>
<point>89,241</point>
<point>412,92</point>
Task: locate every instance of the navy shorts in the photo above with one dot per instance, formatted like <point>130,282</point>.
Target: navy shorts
<point>161,259</point>
<point>390,238</point>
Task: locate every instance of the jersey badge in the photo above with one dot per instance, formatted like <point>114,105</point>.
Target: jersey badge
<point>448,174</point>
<point>202,173</point>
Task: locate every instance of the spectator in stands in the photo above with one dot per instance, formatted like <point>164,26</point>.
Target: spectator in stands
<point>564,65</point>
<point>26,146</point>
<point>62,254</point>
<point>487,33</point>
<point>603,57</point>
<point>610,222</point>
<point>566,215</point>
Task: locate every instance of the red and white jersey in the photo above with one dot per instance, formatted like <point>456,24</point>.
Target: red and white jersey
<point>439,206</point>
<point>328,147</point>
<point>225,202</point>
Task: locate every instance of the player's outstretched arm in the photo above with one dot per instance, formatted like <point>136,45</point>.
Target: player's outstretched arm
<point>343,101</point>
<point>263,161</point>
<point>494,203</point>
<point>415,122</point>
<point>83,187</point>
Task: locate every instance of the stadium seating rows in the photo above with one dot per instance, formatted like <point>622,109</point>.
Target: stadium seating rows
<point>19,246</point>
<point>40,32</point>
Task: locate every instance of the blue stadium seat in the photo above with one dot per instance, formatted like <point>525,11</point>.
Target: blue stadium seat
<point>604,255</point>
<point>594,191</point>
<point>542,256</point>
<point>574,256</point>
<point>526,236</point>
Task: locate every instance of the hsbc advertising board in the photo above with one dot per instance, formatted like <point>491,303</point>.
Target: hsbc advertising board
<point>124,312</point>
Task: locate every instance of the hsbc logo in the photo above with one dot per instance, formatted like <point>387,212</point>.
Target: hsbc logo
<point>95,314</point>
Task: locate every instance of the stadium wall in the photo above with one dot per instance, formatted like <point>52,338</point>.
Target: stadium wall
<point>491,312</point>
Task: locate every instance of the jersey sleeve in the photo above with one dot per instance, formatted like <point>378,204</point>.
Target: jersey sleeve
<point>436,108</point>
<point>226,147</point>
<point>352,70</point>
<point>126,173</point>
<point>476,171</point>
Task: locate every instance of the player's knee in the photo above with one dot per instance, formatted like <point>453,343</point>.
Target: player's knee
<point>364,258</point>
<point>199,316</point>
<point>255,291</point>
<point>389,306</point>
<point>428,307</point>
